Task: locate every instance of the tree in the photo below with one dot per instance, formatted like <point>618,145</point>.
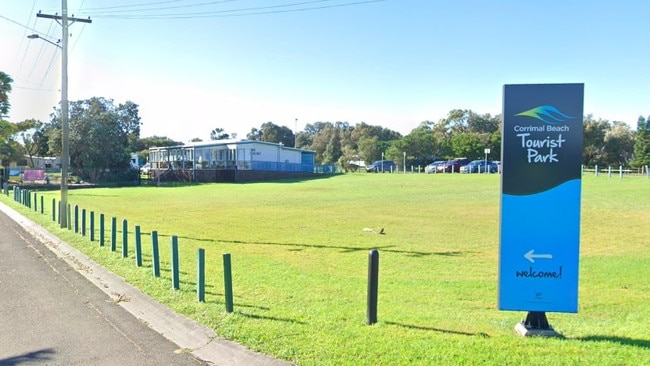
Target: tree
<point>642,143</point>
<point>255,135</point>
<point>369,148</point>
<point>8,146</point>
<point>619,144</point>
<point>270,132</point>
<point>594,140</point>
<point>467,145</point>
<point>5,89</point>
<point>33,141</point>
<point>100,138</point>
<point>158,141</point>
<point>420,147</point>
<point>219,134</point>
<point>333,151</point>
<point>465,120</point>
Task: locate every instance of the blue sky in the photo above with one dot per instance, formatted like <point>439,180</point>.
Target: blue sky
<point>393,63</point>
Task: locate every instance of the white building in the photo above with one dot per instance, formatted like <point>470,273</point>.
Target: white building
<point>231,160</point>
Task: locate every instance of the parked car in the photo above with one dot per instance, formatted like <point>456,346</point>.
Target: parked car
<point>432,168</point>
<point>381,166</point>
<point>453,165</point>
<point>480,166</point>
<point>145,169</point>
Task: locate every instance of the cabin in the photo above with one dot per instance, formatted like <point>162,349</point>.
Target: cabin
<point>229,161</point>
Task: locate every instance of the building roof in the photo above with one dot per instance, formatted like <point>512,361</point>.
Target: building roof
<point>228,142</point>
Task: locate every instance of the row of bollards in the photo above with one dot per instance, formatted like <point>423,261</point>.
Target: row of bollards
<point>30,200</point>
<point>25,197</point>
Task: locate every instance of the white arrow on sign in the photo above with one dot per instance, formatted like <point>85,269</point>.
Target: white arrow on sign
<point>531,256</point>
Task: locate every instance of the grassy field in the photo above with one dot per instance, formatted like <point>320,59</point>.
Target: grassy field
<point>300,261</point>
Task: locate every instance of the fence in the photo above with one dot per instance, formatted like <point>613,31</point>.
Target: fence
<point>84,223</point>
<point>619,171</point>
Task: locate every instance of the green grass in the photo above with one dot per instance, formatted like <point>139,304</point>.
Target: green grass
<point>300,256</point>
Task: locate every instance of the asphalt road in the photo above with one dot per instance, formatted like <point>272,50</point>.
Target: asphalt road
<point>57,307</point>
<point>51,314</point>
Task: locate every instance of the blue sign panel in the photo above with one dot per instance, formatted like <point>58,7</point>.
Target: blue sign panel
<point>541,160</point>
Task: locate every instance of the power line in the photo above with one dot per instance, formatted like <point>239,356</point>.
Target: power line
<point>40,53</point>
<point>25,26</point>
<point>142,4</point>
<point>272,9</point>
<point>22,61</point>
<point>49,67</point>
<point>35,89</point>
<point>123,7</point>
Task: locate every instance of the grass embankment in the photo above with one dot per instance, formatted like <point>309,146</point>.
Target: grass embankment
<point>300,255</point>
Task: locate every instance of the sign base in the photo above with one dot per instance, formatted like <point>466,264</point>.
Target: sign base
<point>536,325</point>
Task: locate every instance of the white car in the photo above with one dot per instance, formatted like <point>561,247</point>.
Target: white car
<point>431,168</point>
<point>145,169</point>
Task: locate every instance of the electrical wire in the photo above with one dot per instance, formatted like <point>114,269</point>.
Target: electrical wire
<point>123,7</point>
<point>40,53</point>
<point>22,60</point>
<point>49,67</point>
<point>270,9</point>
<point>24,26</point>
<point>142,4</point>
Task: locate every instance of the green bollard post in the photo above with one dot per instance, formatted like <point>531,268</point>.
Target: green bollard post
<point>83,222</point>
<point>76,219</point>
<point>113,234</point>
<point>125,239</point>
<point>200,275</point>
<point>373,286</point>
<point>175,266</point>
<point>92,225</point>
<point>42,205</point>
<point>155,256</point>
<point>138,247</point>
<point>101,230</point>
<point>53,209</point>
<point>227,281</point>
<point>35,201</point>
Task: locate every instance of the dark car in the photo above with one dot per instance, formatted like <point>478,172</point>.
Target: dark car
<point>453,165</point>
<point>480,166</point>
<point>381,166</point>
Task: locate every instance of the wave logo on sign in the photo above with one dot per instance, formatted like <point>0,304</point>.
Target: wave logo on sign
<point>547,114</point>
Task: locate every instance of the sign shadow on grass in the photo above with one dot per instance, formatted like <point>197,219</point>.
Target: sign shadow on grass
<point>446,331</point>
<point>273,318</point>
<point>298,246</point>
<point>643,343</point>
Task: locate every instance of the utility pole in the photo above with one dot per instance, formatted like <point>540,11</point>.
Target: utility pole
<point>64,20</point>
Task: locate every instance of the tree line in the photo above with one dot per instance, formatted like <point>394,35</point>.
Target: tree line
<point>103,135</point>
<point>462,133</point>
